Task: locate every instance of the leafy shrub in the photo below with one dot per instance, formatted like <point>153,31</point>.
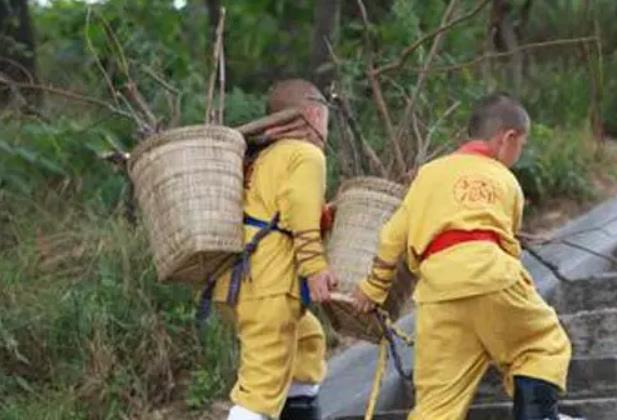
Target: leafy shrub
<point>556,163</point>
<point>86,328</point>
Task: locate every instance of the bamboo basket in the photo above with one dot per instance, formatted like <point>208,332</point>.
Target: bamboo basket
<point>364,205</point>
<point>189,185</point>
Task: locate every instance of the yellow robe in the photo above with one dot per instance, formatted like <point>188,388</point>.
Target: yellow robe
<point>476,303</point>
<point>459,191</point>
<point>289,178</point>
<point>280,342</point>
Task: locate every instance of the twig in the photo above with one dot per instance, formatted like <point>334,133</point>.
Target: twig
<point>174,95</point>
<point>347,143</point>
<point>222,72</point>
<point>444,27</point>
<point>217,50</point>
<point>423,154</point>
<point>20,67</point>
<point>142,127</point>
<point>113,40</point>
<point>159,79</point>
<point>355,166</point>
<point>135,97</point>
<point>409,109</point>
<point>69,95</point>
<point>488,56</point>
<point>380,102</point>
<point>345,108</point>
<point>99,64</point>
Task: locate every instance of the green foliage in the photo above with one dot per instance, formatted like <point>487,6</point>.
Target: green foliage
<point>556,163</point>
<point>212,379</point>
<point>85,327</point>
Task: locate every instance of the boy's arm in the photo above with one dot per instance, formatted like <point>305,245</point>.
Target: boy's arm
<point>392,244</point>
<point>301,210</point>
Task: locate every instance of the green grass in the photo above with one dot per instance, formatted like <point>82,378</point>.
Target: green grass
<point>85,330</point>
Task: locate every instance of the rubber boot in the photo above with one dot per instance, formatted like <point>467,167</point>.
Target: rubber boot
<point>301,408</point>
<point>535,399</point>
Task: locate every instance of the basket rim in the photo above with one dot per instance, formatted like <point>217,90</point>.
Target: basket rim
<point>374,184</point>
<point>168,136</point>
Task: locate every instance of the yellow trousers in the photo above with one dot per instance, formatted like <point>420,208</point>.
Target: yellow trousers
<point>280,342</point>
<point>457,340</point>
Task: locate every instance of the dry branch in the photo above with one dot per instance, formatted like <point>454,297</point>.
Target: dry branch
<point>218,45</point>
<point>110,86</point>
<point>374,161</point>
<point>380,102</point>
<point>67,94</point>
<point>410,108</point>
<point>19,67</point>
<point>488,56</point>
<point>444,27</point>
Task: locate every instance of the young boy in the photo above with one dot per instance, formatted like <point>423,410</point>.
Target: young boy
<point>475,302</point>
<point>282,346</point>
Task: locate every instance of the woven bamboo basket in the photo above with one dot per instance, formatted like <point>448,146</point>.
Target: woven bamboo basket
<point>189,185</point>
<point>364,205</point>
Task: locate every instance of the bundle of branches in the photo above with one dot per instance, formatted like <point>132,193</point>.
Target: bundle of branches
<point>410,141</point>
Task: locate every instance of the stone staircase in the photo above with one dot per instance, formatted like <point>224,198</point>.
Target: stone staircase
<point>588,311</point>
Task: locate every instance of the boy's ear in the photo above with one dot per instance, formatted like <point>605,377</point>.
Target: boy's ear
<point>511,134</point>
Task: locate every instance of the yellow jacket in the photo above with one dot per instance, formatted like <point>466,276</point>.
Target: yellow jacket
<point>457,192</point>
<point>289,178</point>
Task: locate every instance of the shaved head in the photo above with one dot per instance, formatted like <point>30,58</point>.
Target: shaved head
<point>298,93</point>
<point>293,93</point>
<point>497,113</point>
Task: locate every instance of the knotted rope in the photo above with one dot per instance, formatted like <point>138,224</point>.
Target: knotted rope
<point>390,332</point>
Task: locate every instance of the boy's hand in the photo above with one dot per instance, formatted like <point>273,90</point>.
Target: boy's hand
<point>320,285</point>
<point>362,303</point>
<point>326,223</point>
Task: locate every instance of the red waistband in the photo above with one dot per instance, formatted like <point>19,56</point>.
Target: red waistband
<point>453,237</point>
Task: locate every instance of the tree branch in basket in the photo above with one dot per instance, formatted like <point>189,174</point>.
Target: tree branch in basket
<point>378,97</point>
<point>215,62</point>
<point>174,95</point>
<point>110,86</point>
<point>410,108</point>
<point>348,151</point>
<point>374,161</point>
<point>222,72</point>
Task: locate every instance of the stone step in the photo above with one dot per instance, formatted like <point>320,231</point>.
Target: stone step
<point>593,333</point>
<point>594,293</point>
<point>590,409</point>
<point>587,378</point>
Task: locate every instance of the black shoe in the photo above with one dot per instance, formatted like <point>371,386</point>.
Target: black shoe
<point>535,399</point>
<point>301,408</point>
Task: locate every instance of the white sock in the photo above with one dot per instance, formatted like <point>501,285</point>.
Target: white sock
<point>241,413</point>
<point>298,389</point>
